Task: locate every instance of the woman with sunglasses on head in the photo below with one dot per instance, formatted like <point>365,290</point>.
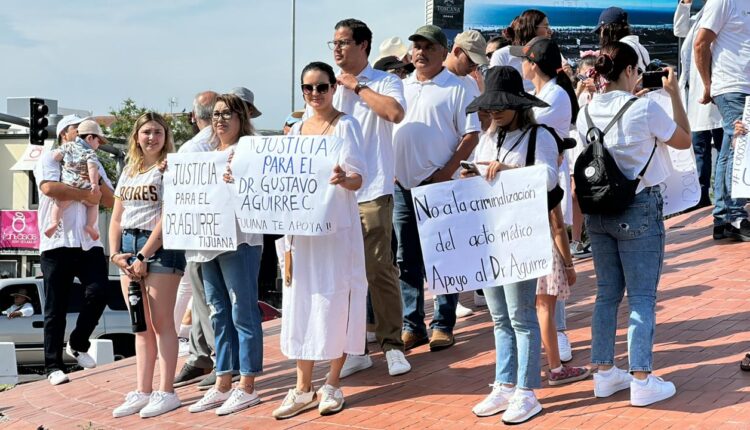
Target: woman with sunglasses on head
<point>135,232</point>
<point>326,285</point>
<point>504,146</point>
<point>628,247</point>
<point>230,279</point>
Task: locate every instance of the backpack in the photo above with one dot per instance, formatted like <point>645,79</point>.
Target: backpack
<point>555,196</point>
<point>601,187</point>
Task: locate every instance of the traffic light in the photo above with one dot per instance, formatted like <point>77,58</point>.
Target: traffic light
<point>38,121</point>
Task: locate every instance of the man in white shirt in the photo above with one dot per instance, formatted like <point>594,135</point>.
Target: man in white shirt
<point>69,253</point>
<point>435,135</point>
<point>376,99</point>
<point>467,54</point>
<point>721,57</point>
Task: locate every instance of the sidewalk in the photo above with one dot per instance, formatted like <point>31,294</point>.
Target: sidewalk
<point>703,317</point>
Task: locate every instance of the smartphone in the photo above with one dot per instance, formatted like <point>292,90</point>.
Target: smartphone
<point>653,79</point>
<point>471,167</point>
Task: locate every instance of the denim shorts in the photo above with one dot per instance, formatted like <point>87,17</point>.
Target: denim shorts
<point>164,261</point>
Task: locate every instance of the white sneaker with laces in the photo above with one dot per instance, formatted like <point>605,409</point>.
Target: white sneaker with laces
<point>354,364</point>
<point>611,381</point>
<point>237,401</point>
<point>371,337</point>
<point>563,346</point>
<point>159,403</point>
<point>57,377</point>
<point>331,400</point>
<point>83,358</point>
<point>654,390</point>
<point>397,364</point>
<point>295,403</point>
<point>462,311</point>
<point>212,399</point>
<point>134,402</point>
<point>495,402</point>
<point>522,406</point>
<point>479,300</point>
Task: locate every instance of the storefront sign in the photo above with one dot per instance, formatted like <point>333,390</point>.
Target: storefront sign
<point>19,229</point>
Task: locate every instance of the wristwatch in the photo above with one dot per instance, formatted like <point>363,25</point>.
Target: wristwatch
<point>360,86</point>
<point>140,257</point>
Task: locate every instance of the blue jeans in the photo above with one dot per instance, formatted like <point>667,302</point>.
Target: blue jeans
<point>702,148</point>
<point>560,315</point>
<point>628,251</point>
<point>231,285</point>
<point>727,209</point>
<point>518,342</point>
<point>411,277</point>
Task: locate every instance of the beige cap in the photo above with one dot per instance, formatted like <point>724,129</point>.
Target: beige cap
<point>472,42</point>
<point>392,46</point>
<point>91,127</point>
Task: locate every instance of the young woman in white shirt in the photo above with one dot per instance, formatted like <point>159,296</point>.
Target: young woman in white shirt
<point>135,232</point>
<point>628,247</point>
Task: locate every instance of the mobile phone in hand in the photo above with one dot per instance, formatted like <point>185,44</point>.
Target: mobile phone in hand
<point>653,79</point>
<point>471,167</point>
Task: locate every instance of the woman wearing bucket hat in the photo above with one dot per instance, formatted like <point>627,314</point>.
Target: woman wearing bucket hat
<point>513,307</point>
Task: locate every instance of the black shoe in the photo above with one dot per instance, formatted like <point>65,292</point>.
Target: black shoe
<point>742,234</point>
<point>189,375</point>
<point>720,231</point>
<point>210,380</point>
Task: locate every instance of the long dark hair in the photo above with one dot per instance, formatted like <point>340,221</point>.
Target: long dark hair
<point>614,59</point>
<point>613,33</point>
<point>552,68</point>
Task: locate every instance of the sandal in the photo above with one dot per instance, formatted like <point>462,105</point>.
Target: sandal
<point>745,363</point>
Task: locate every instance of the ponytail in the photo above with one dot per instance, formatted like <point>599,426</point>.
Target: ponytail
<point>613,60</point>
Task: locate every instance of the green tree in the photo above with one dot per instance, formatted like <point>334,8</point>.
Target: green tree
<point>129,112</point>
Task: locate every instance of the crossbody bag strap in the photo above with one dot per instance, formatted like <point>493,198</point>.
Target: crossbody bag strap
<point>531,148</point>
<point>643,171</point>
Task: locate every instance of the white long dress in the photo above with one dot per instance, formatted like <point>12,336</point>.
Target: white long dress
<point>324,309</point>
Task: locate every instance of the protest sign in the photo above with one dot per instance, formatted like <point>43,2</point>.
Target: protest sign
<point>741,161</point>
<point>281,185</point>
<point>198,211</point>
<point>476,234</point>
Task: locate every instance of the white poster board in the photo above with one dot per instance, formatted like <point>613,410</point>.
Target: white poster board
<point>478,235</point>
<point>198,212</point>
<point>281,185</point>
<point>741,160</point>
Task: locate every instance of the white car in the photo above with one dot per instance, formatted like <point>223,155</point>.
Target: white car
<point>28,332</point>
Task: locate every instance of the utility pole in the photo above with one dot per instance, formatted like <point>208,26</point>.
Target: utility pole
<point>294,19</point>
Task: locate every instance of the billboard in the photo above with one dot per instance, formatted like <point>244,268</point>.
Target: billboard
<point>19,229</point>
<point>574,20</point>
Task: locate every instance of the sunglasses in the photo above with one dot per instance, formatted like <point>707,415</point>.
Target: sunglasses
<point>489,55</point>
<point>320,88</point>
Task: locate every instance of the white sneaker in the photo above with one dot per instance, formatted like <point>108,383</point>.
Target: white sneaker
<point>371,337</point>
<point>654,390</point>
<point>83,358</point>
<point>522,406</point>
<point>238,401</point>
<point>462,311</point>
<point>479,300</point>
<point>159,403</point>
<point>212,399</point>
<point>184,347</point>
<point>295,403</point>
<point>610,382</point>
<point>495,402</point>
<point>57,377</point>
<point>134,402</point>
<point>397,364</point>
<point>563,345</point>
<point>354,364</point>
<point>331,400</point>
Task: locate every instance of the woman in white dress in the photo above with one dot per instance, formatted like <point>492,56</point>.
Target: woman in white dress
<point>324,305</point>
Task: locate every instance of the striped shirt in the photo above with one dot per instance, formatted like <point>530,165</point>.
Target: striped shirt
<point>141,196</point>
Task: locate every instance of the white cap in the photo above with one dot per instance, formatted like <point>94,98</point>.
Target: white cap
<point>66,121</point>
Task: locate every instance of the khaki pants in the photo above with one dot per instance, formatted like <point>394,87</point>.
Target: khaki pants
<point>382,274</point>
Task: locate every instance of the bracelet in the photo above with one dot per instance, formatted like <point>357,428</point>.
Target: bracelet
<point>569,266</point>
<point>112,257</point>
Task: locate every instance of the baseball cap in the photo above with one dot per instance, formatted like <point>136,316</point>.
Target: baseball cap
<point>90,126</point>
<point>433,33</point>
<point>248,97</point>
<point>611,15</point>
<point>538,50</point>
<point>473,44</point>
<point>66,121</point>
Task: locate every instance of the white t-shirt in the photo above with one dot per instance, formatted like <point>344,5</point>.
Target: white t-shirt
<point>470,85</point>
<point>141,196</point>
<point>502,57</point>
<point>201,142</point>
<point>378,132</point>
<point>730,52</point>
<point>513,151</point>
<point>559,113</point>
<point>70,234</point>
<point>631,140</point>
<point>434,124</point>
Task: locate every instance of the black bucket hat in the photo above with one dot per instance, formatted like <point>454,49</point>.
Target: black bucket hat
<point>503,89</point>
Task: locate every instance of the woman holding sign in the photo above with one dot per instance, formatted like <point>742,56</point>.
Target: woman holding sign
<point>326,286</point>
<point>230,279</point>
<point>135,232</point>
<point>505,145</point>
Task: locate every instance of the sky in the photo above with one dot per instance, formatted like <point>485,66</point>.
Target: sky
<point>595,4</point>
<point>93,54</point>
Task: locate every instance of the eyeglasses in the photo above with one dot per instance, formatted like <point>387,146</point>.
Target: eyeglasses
<point>308,89</point>
<point>225,115</point>
<point>335,44</point>
<point>489,55</point>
